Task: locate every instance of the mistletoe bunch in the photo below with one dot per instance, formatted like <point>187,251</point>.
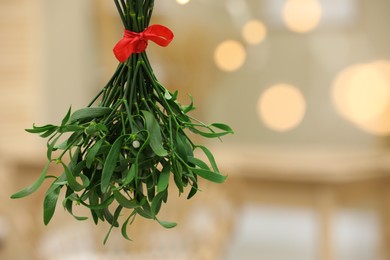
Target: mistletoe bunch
<point>120,152</point>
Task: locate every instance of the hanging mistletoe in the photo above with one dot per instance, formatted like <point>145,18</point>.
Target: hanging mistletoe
<point>121,151</point>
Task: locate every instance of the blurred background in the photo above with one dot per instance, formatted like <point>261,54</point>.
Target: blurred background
<point>305,84</point>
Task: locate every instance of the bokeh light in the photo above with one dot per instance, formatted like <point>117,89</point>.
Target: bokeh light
<point>182,2</point>
<point>281,107</point>
<point>302,16</point>
<point>254,32</point>
<point>361,94</point>
<point>229,55</point>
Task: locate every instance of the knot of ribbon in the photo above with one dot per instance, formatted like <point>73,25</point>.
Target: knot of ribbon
<point>133,42</point>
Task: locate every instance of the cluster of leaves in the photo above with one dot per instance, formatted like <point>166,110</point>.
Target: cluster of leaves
<point>121,153</point>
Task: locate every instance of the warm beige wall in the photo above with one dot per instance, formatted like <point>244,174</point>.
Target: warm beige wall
<point>20,72</point>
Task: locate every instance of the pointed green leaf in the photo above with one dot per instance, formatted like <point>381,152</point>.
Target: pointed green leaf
<point>223,127</point>
<point>48,132</point>
<point>156,203</point>
<point>60,181</point>
<point>33,187</point>
<point>41,129</point>
<point>183,146</point>
<point>167,224</point>
<point>115,219</point>
<point>198,162</point>
<point>210,156</point>
<point>89,113</point>
<point>156,142</point>
<point>94,200</point>
<point>66,118</point>
<point>163,179</point>
<point>70,128</point>
<point>49,204</point>
<point>190,107</point>
<point>103,205</point>
<point>124,226</point>
<point>124,202</point>
<point>210,134</point>
<point>110,218</point>
<point>145,211</point>
<point>209,175</point>
<point>92,152</point>
<point>193,190</point>
<point>70,196</point>
<point>110,163</point>
<point>74,185</point>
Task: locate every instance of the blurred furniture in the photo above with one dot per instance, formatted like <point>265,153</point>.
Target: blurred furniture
<point>324,179</point>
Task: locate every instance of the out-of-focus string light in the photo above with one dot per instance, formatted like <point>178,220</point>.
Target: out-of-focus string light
<point>361,94</point>
<point>254,32</point>
<point>302,16</point>
<point>182,2</point>
<point>281,107</point>
<point>229,55</point>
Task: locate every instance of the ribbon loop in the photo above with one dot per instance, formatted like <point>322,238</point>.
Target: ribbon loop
<point>133,42</point>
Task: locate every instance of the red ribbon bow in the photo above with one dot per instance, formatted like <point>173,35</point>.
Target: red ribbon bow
<point>133,42</point>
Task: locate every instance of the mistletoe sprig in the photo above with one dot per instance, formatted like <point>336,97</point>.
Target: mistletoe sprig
<point>120,152</point>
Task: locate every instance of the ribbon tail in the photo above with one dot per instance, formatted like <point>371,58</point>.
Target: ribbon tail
<point>123,49</point>
<point>159,34</point>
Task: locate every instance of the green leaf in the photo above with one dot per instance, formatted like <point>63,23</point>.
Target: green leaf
<point>131,174</point>
<point>210,156</point>
<point>103,205</point>
<point>51,146</point>
<point>153,128</point>
<point>110,163</point>
<point>145,211</point>
<point>190,107</point>
<point>151,191</point>
<point>163,179</point>
<point>167,224</point>
<point>94,200</point>
<point>110,218</point>
<point>95,128</point>
<point>198,162</point>
<point>49,204</point>
<point>194,189</point>
<point>177,176</point>
<point>76,169</point>
<point>124,226</point>
<point>124,202</point>
<point>73,184</point>
<point>92,152</point>
<point>60,181</point>
<point>209,175</point>
<point>33,187</point>
<point>70,128</point>
<point>85,180</point>
<point>156,202</point>
<point>70,196</point>
<point>66,118</point>
<point>115,220</point>
<point>48,132</point>
<point>89,113</point>
<point>183,147</point>
<point>41,129</point>
<point>75,138</point>
<point>223,127</point>
<point>212,133</point>
<point>61,146</point>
